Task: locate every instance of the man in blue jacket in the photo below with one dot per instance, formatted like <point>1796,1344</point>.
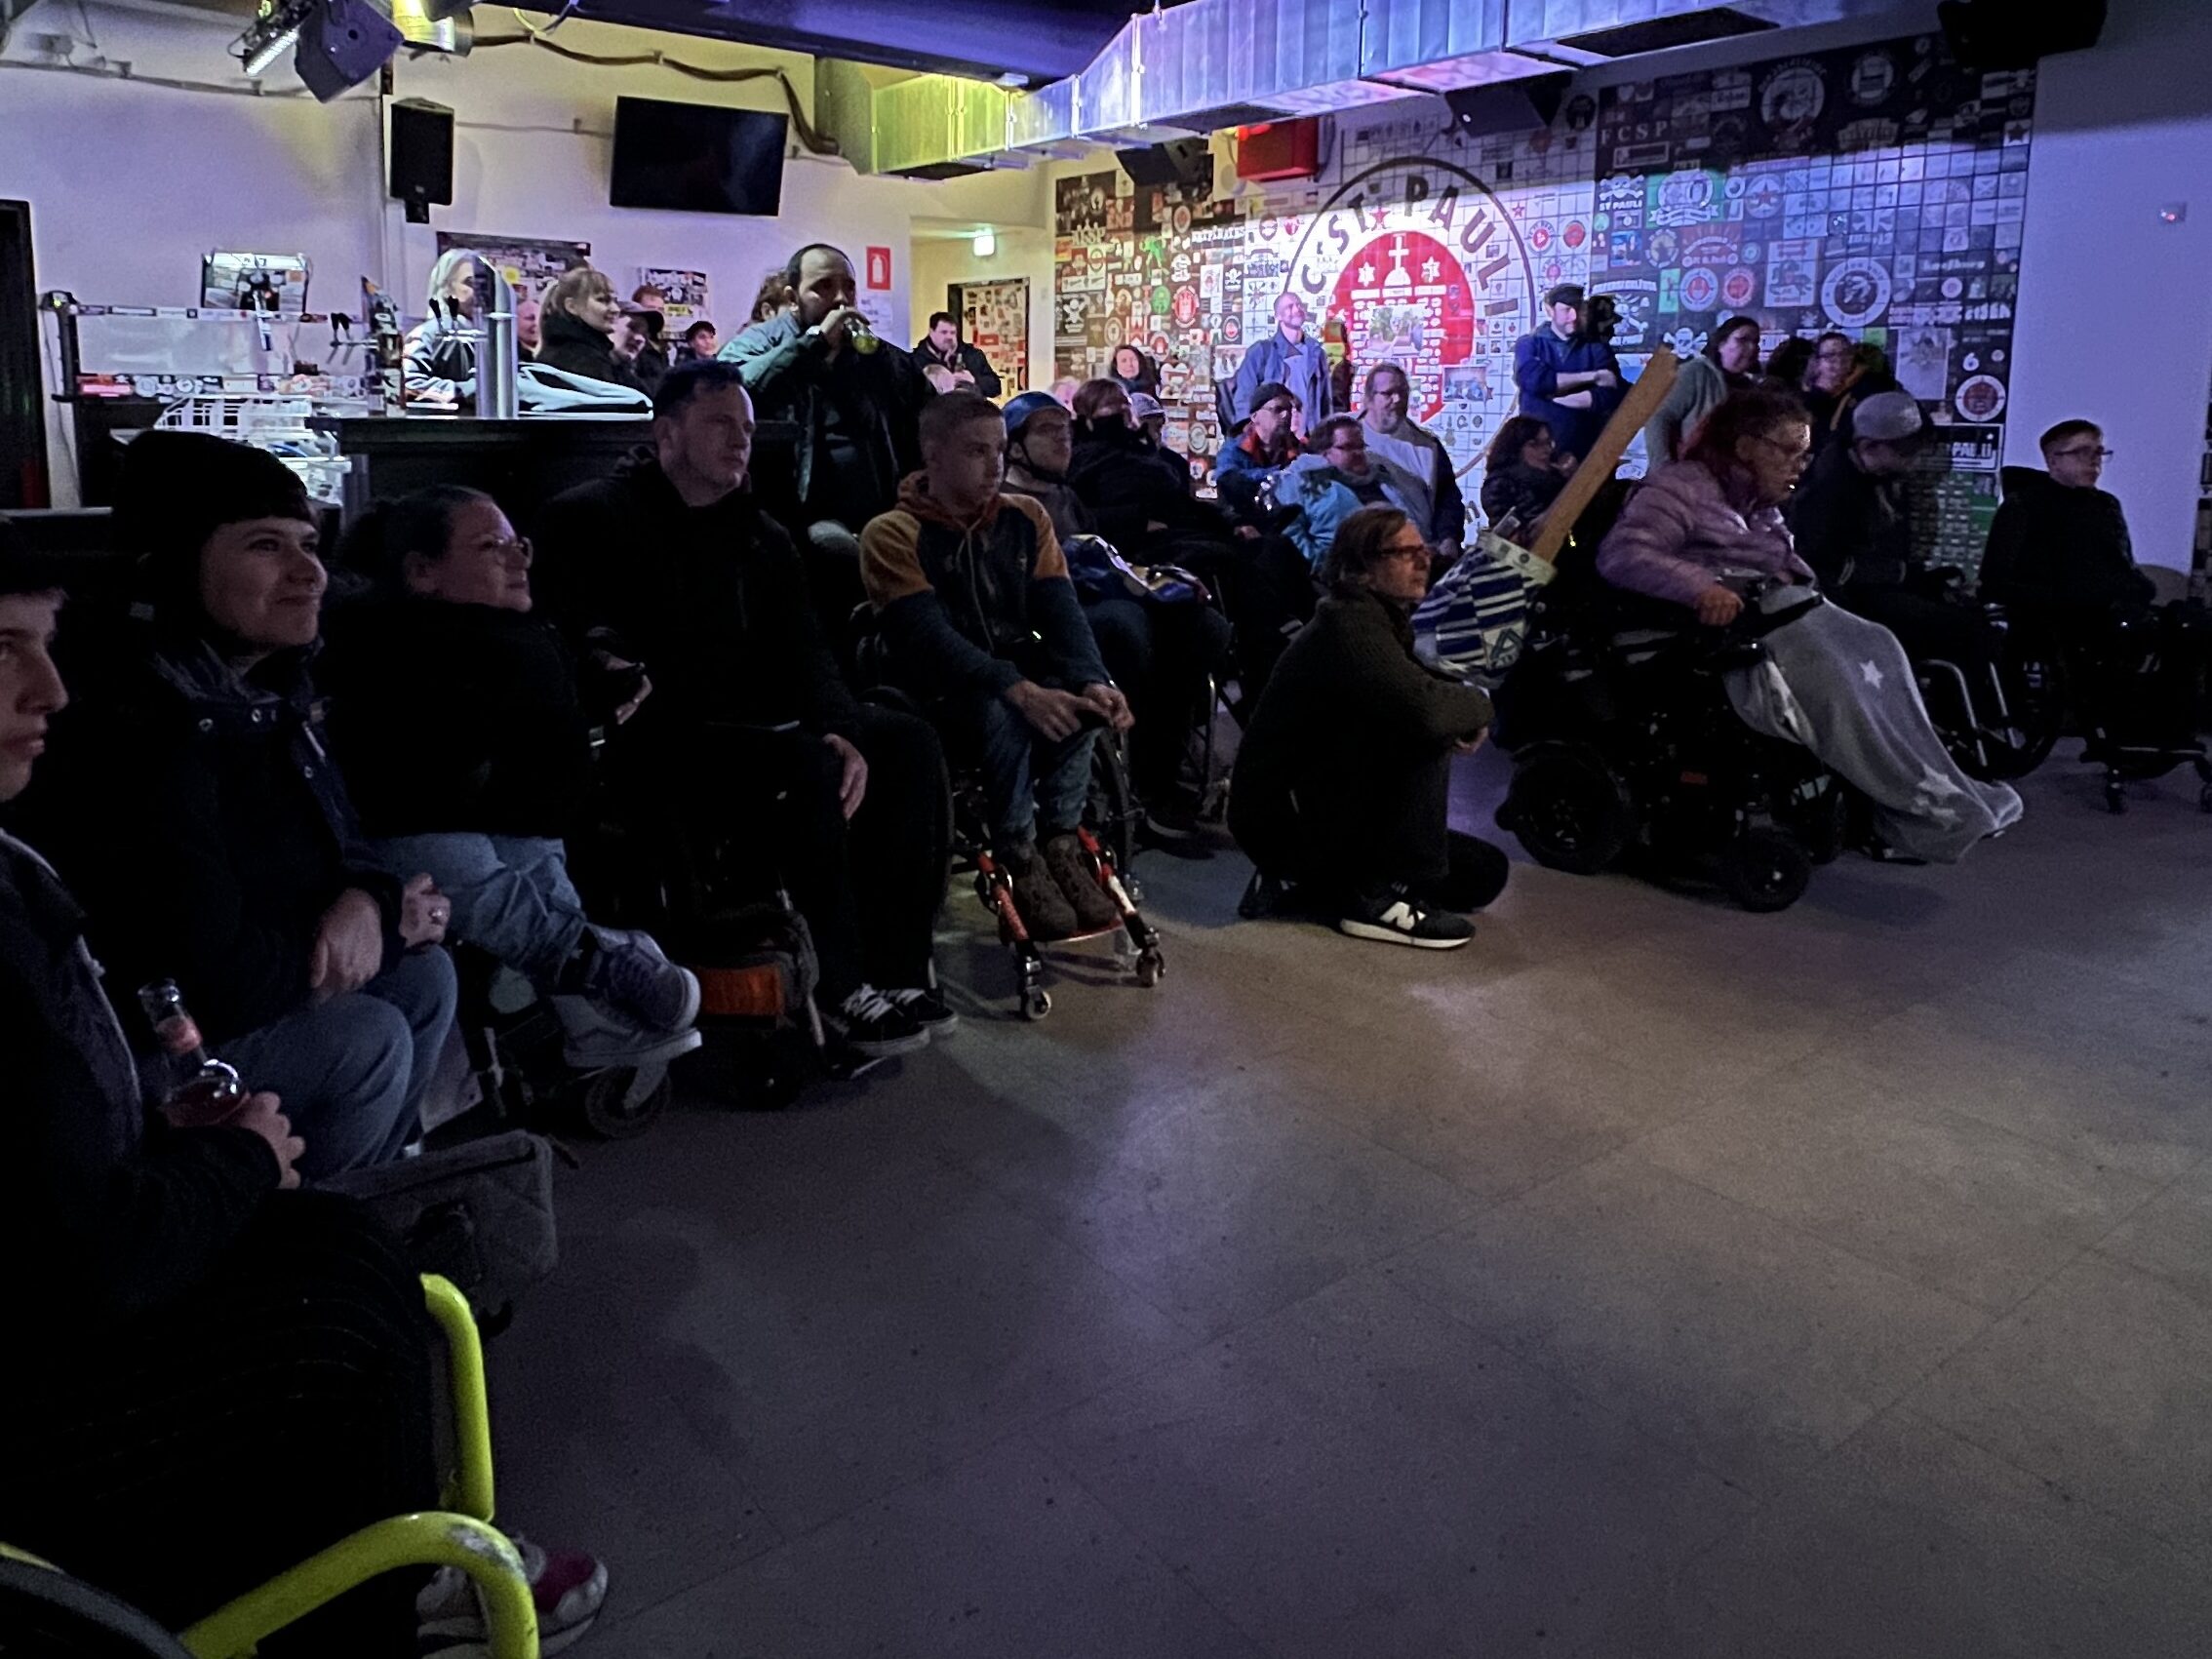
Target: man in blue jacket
<point>1568,380</point>
<point>1286,359</point>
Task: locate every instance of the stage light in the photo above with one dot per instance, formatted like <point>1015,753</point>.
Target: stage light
<point>275,28</point>
<point>342,44</point>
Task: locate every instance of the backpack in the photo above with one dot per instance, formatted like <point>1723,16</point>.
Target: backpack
<point>1475,620</point>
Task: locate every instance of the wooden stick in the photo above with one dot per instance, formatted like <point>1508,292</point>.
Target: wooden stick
<point>1595,469</point>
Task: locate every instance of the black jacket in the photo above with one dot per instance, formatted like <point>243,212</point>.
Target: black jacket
<point>455,717</point>
<point>2055,551</point>
<point>1850,526</point>
<point>104,1210</point>
<point>1130,485</point>
<point>962,356</point>
<point>1519,490</point>
<point>568,344</point>
<point>200,815</point>
<point>1346,696</point>
<point>870,400</point>
<point>712,600</point>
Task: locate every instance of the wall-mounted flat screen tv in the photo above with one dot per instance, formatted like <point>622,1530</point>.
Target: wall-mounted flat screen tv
<point>698,158</point>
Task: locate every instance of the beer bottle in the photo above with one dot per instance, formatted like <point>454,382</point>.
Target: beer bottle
<point>204,1091</point>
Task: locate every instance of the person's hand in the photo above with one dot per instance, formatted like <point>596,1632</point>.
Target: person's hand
<point>837,326</point>
<point>1717,607</point>
<point>645,691</point>
<point>1247,532</point>
<point>349,946</point>
<point>852,786</point>
<point>1057,715</point>
<point>262,1115</point>
<point>1468,745</point>
<point>425,912</point>
<point>961,378</point>
<point>1109,702</point>
<point>1605,378</point>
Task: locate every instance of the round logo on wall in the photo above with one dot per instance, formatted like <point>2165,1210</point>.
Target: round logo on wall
<point>1738,287</point>
<point>1701,287</point>
<point>1855,292</point>
<point>1790,102</point>
<point>1575,235</point>
<point>1981,396</point>
<point>1871,77</point>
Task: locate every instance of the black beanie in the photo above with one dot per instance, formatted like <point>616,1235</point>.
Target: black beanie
<point>178,488</point>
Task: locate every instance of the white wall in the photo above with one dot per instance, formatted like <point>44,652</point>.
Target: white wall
<point>2115,307</point>
<point>130,183</point>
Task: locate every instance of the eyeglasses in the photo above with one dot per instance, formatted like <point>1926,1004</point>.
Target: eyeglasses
<point>1397,550</point>
<point>504,551</point>
<point>1795,456</point>
<point>2100,454</point>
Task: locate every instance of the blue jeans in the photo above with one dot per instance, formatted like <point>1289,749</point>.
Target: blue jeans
<point>351,1070</point>
<point>511,895</point>
<point>1028,776</point>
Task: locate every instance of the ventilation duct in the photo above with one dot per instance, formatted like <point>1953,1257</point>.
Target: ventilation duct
<point>1215,64</point>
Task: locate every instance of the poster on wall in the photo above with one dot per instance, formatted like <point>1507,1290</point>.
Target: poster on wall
<point>529,263</point>
<point>994,318</point>
<point>686,294</point>
<point>1876,190</point>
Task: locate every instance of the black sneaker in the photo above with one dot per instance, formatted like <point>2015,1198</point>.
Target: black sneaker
<point>870,1023</point>
<point>632,975</point>
<point>1395,918</point>
<point>927,1006</point>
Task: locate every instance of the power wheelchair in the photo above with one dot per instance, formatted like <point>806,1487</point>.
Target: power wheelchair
<point>1626,750</point>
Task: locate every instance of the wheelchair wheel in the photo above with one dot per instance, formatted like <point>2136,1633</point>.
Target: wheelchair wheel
<point>617,1104</point>
<point>2036,688</point>
<point>1765,870</point>
<point>1569,809</point>
<point>1112,807</point>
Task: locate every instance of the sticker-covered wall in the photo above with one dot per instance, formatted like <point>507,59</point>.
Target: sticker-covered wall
<point>1877,191</point>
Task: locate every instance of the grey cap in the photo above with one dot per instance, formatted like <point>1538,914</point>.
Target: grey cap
<point>1887,417</point>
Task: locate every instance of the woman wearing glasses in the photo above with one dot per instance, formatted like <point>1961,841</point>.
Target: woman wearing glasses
<point>462,723</point>
<point>1708,534</point>
<point>1344,774</point>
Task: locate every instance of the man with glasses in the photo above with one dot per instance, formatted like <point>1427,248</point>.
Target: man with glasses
<point>2059,553</point>
<point>1340,477</point>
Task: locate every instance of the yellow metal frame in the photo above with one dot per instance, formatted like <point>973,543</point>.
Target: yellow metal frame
<point>458,1536</point>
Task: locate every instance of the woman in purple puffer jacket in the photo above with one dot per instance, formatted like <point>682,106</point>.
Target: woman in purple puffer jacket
<point>1707,532</point>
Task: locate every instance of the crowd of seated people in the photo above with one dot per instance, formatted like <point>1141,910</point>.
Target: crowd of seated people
<point>238,1371</point>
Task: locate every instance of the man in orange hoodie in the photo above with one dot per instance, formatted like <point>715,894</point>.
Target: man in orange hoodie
<point>982,622</point>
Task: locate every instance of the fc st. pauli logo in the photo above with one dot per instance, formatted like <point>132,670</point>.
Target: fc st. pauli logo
<point>1424,266</point>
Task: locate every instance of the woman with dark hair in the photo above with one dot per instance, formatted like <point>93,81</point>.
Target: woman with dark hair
<point>1343,778</point>
<point>1729,363</point>
<point>576,329</point>
<point>1708,534</point>
<point>1521,474</point>
<point>457,718</point>
<point>1137,493</point>
<point>1789,368</point>
<point>1133,369</point>
<point>196,809</point>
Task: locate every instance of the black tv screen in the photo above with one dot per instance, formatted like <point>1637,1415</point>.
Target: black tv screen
<point>698,158</point>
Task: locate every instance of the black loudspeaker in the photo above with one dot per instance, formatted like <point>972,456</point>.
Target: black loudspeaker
<point>342,44</point>
<point>2005,34</point>
<point>422,157</point>
<point>1508,106</point>
<point>1187,162</point>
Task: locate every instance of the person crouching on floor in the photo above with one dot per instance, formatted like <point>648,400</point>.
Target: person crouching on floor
<point>1344,778</point>
<point>983,622</point>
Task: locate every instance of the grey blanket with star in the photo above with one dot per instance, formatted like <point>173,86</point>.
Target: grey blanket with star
<point>1843,688</point>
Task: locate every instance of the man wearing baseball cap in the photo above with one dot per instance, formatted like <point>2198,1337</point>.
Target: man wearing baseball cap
<point>1852,526</point>
<point>1568,378</point>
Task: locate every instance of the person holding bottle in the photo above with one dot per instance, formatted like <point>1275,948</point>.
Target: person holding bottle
<point>214,1374</point>
<point>196,809</point>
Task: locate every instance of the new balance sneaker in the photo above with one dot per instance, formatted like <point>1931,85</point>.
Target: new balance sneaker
<point>1395,917</point>
<point>1043,908</point>
<point>927,1006</point>
<point>1094,908</point>
<point>870,1023</point>
<point>568,1587</point>
<point>595,1037</point>
<point>631,974</point>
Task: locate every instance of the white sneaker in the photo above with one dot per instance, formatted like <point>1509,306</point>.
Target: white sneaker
<point>596,1039</point>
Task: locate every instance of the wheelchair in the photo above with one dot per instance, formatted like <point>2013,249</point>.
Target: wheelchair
<point>58,1615</point>
<point>1107,836</point>
<point>1625,749</point>
<point>2136,691</point>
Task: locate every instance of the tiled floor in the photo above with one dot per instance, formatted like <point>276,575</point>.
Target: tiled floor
<point>1647,1280</point>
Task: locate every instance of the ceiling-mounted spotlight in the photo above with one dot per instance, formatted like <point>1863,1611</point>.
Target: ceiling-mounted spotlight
<point>274,28</point>
<point>435,25</point>
<point>342,44</point>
